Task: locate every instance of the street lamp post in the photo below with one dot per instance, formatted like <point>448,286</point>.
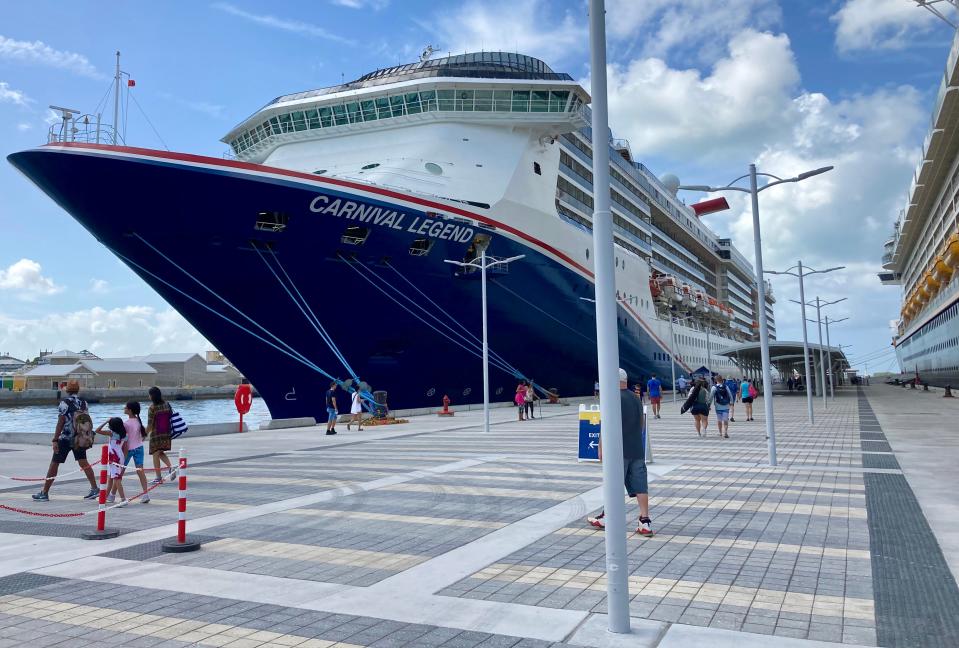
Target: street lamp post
<point>820,304</point>
<point>805,337</point>
<point>607,333</point>
<point>672,355</point>
<point>753,191</point>
<point>483,265</point>
<point>832,378</point>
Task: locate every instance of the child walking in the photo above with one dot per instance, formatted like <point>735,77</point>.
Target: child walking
<point>135,433</point>
<point>116,449</point>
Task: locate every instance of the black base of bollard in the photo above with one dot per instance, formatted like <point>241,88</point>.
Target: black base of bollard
<point>172,546</point>
<point>106,534</point>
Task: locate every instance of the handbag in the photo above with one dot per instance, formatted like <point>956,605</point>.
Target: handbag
<point>178,426</point>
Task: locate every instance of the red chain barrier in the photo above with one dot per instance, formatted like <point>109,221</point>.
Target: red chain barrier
<point>52,515</point>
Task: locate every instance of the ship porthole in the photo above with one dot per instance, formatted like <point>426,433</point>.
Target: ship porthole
<point>370,166</point>
<point>431,391</point>
<point>319,172</point>
<point>433,168</point>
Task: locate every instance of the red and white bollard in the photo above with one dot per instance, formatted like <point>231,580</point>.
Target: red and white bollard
<point>102,533</point>
<point>181,545</point>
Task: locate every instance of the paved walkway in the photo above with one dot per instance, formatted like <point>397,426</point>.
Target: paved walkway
<point>436,534</point>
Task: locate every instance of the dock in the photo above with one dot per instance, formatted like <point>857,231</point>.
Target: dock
<point>433,534</point>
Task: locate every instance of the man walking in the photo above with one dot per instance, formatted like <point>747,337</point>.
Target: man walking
<point>655,389</point>
<point>732,386</point>
<point>721,398</point>
<point>331,410</point>
<point>634,458</point>
<point>682,384</point>
<point>63,438</point>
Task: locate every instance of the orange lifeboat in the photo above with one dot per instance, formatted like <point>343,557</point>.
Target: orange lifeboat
<point>950,255</point>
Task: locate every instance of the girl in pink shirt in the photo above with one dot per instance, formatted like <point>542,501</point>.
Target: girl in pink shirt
<point>135,432</point>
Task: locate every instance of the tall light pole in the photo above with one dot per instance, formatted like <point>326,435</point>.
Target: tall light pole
<point>607,333</point>
<point>832,378</point>
<point>820,304</point>
<point>483,265</point>
<point>753,191</point>
<point>805,337</point>
<point>672,356</point>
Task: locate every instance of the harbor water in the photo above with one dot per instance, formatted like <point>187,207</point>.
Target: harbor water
<point>42,419</point>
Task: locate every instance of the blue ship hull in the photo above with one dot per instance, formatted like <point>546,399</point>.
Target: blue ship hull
<point>186,227</point>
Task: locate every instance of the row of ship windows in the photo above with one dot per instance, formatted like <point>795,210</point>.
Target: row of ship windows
<point>409,103</point>
<point>934,323</point>
<point>935,348</point>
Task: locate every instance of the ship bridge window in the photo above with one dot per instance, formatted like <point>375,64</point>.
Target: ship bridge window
<point>355,235</point>
<point>520,100</point>
<point>271,221</point>
<point>540,101</point>
<point>483,100</point>
<point>413,103</point>
<point>421,247</point>
<point>464,101</point>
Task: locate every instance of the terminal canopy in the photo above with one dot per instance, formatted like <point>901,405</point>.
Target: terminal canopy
<point>785,357</point>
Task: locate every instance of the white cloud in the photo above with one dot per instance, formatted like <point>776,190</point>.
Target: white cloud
<point>882,24</point>
<point>724,114</point>
<point>124,331</point>
<point>376,5</point>
<point>25,279</point>
<point>24,126</point>
<point>40,53</point>
<point>699,27</point>
<point>9,95</point>
<point>216,111</point>
<point>285,24</point>
<point>524,26</point>
<point>99,286</point>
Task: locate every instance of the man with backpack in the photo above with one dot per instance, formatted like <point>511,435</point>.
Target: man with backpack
<point>722,399</point>
<point>74,433</point>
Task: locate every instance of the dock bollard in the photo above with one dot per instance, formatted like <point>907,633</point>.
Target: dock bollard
<point>181,544</point>
<point>948,392</point>
<point>102,533</point>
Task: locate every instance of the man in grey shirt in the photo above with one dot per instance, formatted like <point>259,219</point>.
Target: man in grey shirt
<point>634,457</point>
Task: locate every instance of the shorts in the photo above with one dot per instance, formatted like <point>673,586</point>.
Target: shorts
<point>635,477</point>
<point>331,415</point>
<point>64,447</point>
<point>655,400</point>
<point>700,410</point>
<point>722,416</point>
<point>136,454</point>
<point>748,399</point>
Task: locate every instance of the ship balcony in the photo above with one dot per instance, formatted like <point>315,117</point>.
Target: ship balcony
<point>890,278</point>
<point>888,260</point>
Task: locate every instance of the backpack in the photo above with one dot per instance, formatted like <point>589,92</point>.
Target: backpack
<point>82,430</point>
<point>722,395</point>
<point>752,392</point>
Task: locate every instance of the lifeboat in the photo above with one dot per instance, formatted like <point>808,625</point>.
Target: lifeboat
<point>701,302</point>
<point>931,281</point>
<point>942,270</point>
<point>950,255</point>
<point>654,288</point>
<point>713,305</point>
<point>687,295</point>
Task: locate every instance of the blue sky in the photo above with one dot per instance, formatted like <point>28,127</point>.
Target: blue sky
<point>700,88</point>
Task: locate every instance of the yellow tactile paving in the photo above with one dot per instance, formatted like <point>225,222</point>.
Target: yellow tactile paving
<point>311,553</point>
<point>151,625</point>
<point>480,491</point>
<point>806,550</point>
<point>406,519</point>
<point>836,606</point>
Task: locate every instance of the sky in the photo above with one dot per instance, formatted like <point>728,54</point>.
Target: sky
<point>700,88</point>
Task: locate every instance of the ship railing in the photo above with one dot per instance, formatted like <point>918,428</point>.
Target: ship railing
<point>87,129</point>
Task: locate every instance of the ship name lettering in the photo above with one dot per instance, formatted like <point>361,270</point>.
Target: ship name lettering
<point>390,218</point>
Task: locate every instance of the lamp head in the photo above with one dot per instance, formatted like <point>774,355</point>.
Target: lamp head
<point>814,172</point>
<point>704,188</point>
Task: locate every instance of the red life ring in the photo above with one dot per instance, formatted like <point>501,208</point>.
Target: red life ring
<point>243,399</point>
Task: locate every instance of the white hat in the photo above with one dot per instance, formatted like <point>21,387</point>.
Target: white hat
<point>622,375</point>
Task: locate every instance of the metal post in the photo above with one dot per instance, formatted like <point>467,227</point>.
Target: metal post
<point>805,347</point>
<point>485,347</point>
<point>116,103</point>
<point>822,360</point>
<point>672,355</point>
<point>763,326</point>
<point>709,356</point>
<point>832,378</point>
<point>607,334</point>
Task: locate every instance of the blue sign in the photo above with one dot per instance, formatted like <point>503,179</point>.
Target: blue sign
<point>589,426</point>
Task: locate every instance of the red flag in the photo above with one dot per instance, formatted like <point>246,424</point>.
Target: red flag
<point>131,83</point>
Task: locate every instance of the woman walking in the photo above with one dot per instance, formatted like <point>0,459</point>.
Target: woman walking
<point>520,400</point>
<point>746,391</point>
<point>158,427</point>
<point>356,412</point>
<point>699,401</point>
<point>530,399</point>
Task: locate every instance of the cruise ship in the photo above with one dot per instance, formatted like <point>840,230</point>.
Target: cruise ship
<point>317,247</point>
<point>922,255</point>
